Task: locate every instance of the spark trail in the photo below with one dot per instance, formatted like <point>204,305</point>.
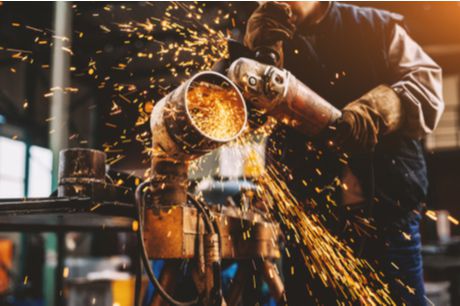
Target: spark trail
<point>326,257</point>
<point>215,110</point>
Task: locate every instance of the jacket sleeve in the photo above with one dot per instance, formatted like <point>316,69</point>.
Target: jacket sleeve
<point>418,84</point>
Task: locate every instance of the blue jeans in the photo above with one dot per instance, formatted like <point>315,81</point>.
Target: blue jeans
<point>400,258</point>
<point>390,250</point>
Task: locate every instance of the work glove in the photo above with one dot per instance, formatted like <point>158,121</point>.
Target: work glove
<point>269,25</point>
<point>379,112</point>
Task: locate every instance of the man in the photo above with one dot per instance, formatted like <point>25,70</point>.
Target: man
<point>363,62</point>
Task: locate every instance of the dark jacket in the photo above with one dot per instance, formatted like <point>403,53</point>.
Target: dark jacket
<point>342,58</point>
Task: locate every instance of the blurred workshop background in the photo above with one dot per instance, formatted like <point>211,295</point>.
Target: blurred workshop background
<point>106,76</point>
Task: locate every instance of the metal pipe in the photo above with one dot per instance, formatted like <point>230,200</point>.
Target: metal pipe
<point>60,80</point>
<point>177,138</point>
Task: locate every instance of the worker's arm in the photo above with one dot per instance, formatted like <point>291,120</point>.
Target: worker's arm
<point>419,84</point>
<point>412,104</point>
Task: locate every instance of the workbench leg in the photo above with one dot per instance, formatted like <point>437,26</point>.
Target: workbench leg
<point>49,273</point>
<point>59,298</point>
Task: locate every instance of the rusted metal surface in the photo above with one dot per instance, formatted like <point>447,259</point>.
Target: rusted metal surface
<point>169,181</point>
<point>174,233</point>
<point>82,173</point>
<point>79,170</point>
<point>174,132</point>
<point>304,109</point>
<point>81,164</point>
<point>177,139</point>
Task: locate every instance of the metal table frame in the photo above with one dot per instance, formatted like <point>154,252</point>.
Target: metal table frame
<point>61,215</point>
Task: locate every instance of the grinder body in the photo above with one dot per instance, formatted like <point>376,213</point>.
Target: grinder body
<point>281,95</point>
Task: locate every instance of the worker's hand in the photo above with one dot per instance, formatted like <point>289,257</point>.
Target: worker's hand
<point>377,113</point>
<point>269,25</point>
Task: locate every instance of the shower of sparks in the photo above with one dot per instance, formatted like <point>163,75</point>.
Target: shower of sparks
<point>174,42</point>
<point>329,259</point>
<point>434,216</point>
<point>217,111</point>
<point>326,257</point>
<point>198,48</point>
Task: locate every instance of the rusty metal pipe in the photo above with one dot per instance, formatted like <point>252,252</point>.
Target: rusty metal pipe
<point>79,167</point>
<point>177,139</point>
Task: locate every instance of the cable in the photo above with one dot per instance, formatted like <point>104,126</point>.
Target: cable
<point>217,268</point>
<point>144,255</point>
<point>211,226</point>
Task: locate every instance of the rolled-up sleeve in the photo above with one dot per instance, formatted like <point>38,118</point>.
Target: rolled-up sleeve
<point>418,83</point>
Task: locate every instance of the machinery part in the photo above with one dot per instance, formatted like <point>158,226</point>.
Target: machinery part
<point>144,256</point>
<point>176,134</point>
<point>170,182</point>
<point>211,249</point>
<point>263,85</point>
<point>270,276</point>
<point>79,170</point>
<point>278,93</point>
<point>173,233</point>
<point>82,166</point>
<point>179,138</point>
<point>82,173</point>
<point>212,254</point>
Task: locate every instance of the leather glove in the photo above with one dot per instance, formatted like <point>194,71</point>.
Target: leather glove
<point>270,25</point>
<point>377,113</point>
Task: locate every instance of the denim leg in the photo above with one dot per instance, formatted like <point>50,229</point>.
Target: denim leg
<point>398,256</point>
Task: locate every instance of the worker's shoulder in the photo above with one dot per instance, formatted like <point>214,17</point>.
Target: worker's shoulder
<point>369,15</point>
